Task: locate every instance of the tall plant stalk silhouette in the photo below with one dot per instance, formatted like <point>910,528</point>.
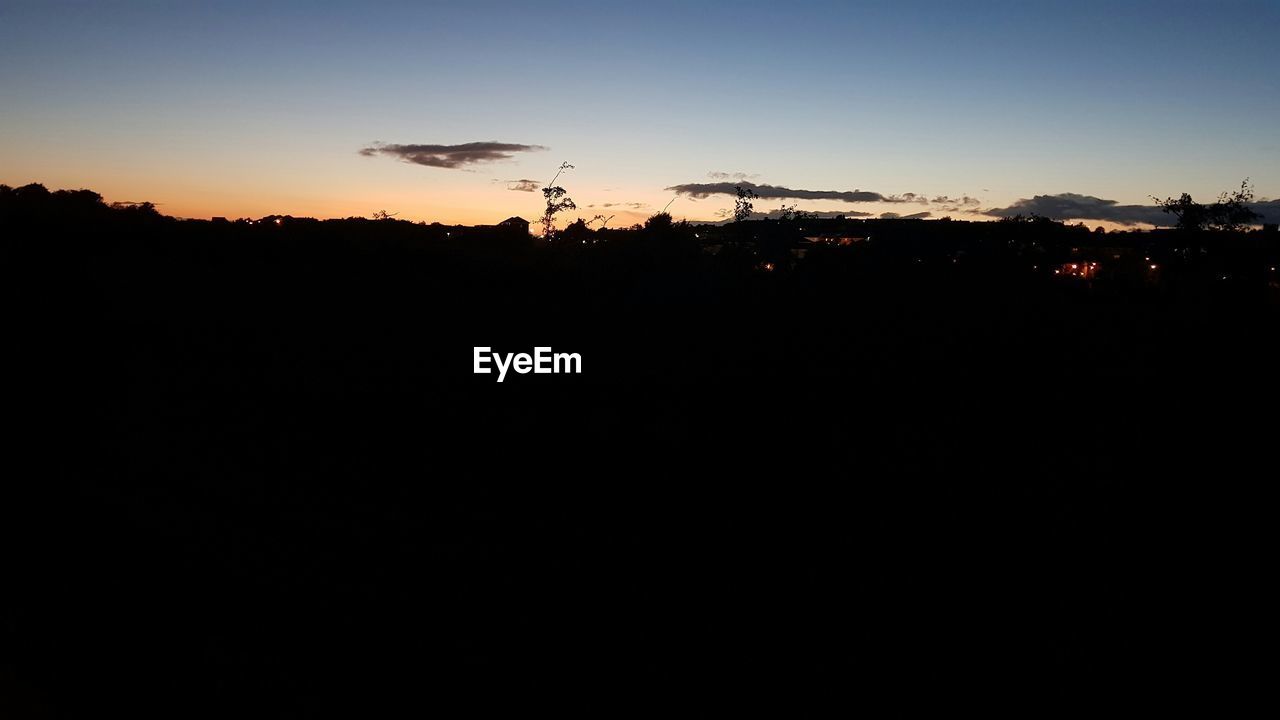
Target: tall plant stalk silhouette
<point>557,202</point>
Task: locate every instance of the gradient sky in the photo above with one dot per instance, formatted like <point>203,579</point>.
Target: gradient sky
<point>250,108</point>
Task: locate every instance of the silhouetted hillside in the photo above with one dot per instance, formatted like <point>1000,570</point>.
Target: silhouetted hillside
<point>253,467</point>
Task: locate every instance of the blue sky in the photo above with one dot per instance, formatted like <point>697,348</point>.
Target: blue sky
<point>244,108</point>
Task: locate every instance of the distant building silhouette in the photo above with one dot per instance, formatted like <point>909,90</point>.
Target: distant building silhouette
<point>515,223</point>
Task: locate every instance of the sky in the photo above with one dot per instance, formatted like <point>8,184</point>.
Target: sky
<point>437,111</point>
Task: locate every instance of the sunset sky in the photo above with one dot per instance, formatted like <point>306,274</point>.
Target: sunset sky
<point>250,108</point>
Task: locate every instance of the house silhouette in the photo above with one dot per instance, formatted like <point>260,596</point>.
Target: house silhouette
<point>515,223</point>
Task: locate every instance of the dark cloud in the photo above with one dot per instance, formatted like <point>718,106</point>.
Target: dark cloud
<point>1268,209</point>
<point>912,216</point>
<point>1073,206</point>
<point>449,156</point>
<point>701,191</point>
<point>956,202</point>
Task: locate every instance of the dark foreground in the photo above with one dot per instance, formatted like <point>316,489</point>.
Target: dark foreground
<point>252,474</point>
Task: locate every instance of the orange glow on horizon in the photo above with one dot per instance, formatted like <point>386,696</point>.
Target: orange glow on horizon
<point>449,200</point>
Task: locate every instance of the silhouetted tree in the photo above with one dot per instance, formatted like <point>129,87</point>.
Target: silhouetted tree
<point>1029,219</point>
<point>1230,213</point>
<point>575,233</point>
<point>742,206</point>
<point>665,240</point>
<point>557,202</point>
<point>789,213</point>
<point>141,210</point>
<point>659,222</point>
<point>1191,215</point>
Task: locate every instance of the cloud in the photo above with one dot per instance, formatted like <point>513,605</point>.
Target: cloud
<point>907,198</point>
<point>632,205</point>
<point>701,191</point>
<point>956,202</point>
<point>1073,206</point>
<point>449,156</point>
<point>716,175</point>
<point>523,185</point>
<point>912,216</point>
<point>1268,209</point>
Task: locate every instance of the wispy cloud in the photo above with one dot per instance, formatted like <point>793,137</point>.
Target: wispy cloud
<point>632,205</point>
<point>907,198</point>
<point>522,185</point>
<point>912,216</point>
<point>739,176</point>
<point>449,156</point>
